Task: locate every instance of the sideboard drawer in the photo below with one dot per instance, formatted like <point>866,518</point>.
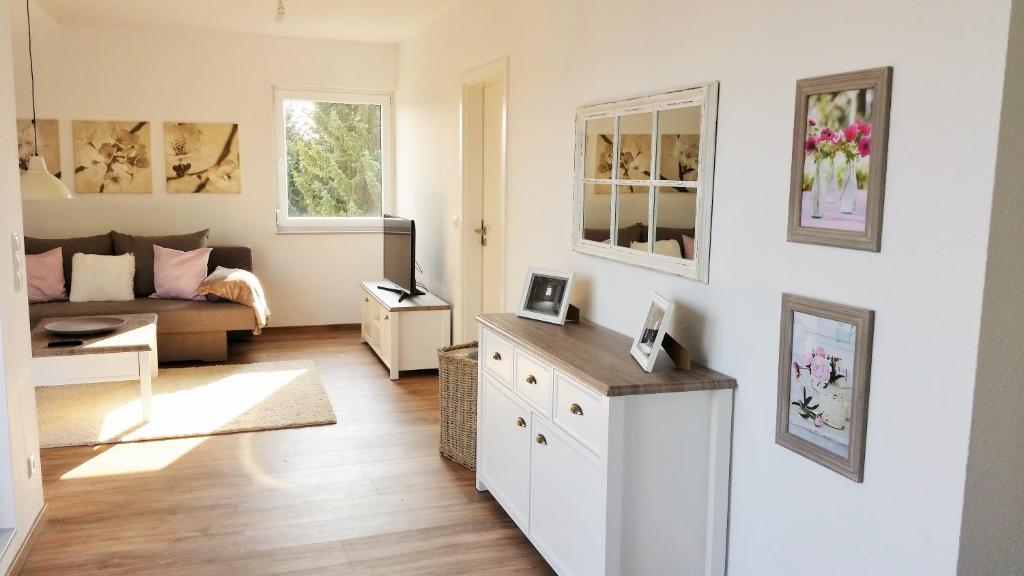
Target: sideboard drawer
<point>498,357</point>
<point>580,412</point>
<point>533,381</point>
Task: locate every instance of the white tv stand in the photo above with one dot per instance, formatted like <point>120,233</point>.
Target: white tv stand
<point>404,334</point>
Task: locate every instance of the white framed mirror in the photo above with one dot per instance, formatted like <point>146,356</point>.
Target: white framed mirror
<point>644,175</point>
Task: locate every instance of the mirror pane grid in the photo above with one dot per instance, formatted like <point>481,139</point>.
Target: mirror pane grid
<point>675,210</point>
<point>599,151</point>
<point>679,144</point>
<point>635,131</point>
<point>597,212</point>
<point>632,210</point>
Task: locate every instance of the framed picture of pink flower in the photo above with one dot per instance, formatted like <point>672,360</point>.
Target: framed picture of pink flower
<point>202,158</point>
<point>840,134</point>
<point>824,373</point>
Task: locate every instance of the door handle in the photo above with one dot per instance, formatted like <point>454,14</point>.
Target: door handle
<point>482,231</point>
<point>541,439</point>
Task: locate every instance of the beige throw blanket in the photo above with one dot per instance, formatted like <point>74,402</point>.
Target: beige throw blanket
<point>239,286</point>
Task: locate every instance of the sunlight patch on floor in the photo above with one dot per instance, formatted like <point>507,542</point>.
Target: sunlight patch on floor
<point>134,458</point>
<point>207,407</point>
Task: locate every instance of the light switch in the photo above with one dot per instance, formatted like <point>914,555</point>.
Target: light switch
<point>18,248</point>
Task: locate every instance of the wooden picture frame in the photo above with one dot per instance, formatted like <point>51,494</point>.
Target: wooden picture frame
<point>831,415</point>
<point>651,335</point>
<point>546,295</point>
<point>844,104</point>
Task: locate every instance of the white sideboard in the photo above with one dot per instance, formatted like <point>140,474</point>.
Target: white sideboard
<point>405,335</point>
<point>606,468</point>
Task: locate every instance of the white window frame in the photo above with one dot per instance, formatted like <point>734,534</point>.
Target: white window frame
<point>340,224</point>
<point>704,95</point>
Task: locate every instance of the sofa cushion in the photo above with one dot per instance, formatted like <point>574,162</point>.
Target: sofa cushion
<point>174,316</point>
<point>102,278</point>
<point>45,275</point>
<point>666,233</point>
<point>142,247</point>
<point>101,244</point>
<point>230,257</point>
<point>177,274</point>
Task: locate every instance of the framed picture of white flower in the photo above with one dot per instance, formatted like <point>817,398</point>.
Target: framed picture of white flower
<point>49,143</point>
<point>112,157</point>
<point>824,374</point>
<point>840,134</point>
<point>202,158</point>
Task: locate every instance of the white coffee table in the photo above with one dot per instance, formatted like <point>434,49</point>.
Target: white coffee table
<point>128,353</point>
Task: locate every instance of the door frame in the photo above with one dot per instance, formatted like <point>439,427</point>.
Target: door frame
<point>497,70</point>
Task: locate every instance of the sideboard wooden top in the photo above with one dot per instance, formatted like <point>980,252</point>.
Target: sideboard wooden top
<point>127,338</point>
<point>599,357</point>
<point>390,301</point>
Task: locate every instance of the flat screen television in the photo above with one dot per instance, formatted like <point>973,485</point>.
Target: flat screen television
<point>400,256</point>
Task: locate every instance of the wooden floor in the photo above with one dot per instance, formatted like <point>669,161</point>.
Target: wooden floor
<point>369,495</point>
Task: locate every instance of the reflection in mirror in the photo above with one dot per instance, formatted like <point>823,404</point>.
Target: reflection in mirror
<point>633,216</point>
<point>599,156</point>
<point>635,146</point>
<point>679,143</point>
<point>597,212</point>
<point>676,214</point>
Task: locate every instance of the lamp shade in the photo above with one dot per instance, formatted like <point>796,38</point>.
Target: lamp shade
<point>38,183</point>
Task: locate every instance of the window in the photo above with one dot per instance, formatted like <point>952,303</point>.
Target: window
<point>644,180</point>
<point>334,167</point>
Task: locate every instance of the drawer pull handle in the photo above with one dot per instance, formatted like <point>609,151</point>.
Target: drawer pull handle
<point>387,317</point>
<point>575,409</point>
<point>541,439</point>
<point>521,422</point>
<point>530,379</point>
<point>366,299</point>
<point>497,356</point>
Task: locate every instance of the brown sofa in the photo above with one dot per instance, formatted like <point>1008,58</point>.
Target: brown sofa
<point>186,329</point>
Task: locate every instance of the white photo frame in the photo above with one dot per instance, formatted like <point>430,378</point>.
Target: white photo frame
<point>546,295</point>
<point>649,338</point>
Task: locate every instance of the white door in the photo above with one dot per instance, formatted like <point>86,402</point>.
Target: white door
<point>503,456</point>
<point>484,129</point>
<point>567,514</point>
<point>493,249</point>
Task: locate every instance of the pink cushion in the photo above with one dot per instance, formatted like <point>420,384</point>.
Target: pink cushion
<point>177,274</point>
<point>688,247</point>
<point>46,276</point>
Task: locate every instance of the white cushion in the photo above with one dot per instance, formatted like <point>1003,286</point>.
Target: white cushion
<point>663,247</point>
<point>96,278</point>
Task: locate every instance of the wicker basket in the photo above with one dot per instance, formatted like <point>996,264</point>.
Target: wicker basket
<point>456,375</point>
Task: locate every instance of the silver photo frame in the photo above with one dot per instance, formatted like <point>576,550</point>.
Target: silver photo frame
<point>649,339</point>
<point>546,295</point>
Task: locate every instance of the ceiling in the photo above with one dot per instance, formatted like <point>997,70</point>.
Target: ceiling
<point>360,20</point>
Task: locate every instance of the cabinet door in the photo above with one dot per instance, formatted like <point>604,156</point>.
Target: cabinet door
<point>386,339</point>
<point>567,513</point>
<point>367,319</point>
<point>504,451</point>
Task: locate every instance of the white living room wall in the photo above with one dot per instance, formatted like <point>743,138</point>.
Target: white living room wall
<point>788,515</point>
<point>118,74</point>
<point>21,437</point>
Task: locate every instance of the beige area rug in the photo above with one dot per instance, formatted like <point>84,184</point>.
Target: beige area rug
<point>186,402</point>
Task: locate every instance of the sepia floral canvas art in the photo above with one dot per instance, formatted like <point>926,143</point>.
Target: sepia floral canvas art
<point>202,158</point>
<point>49,144</point>
<point>112,157</point>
